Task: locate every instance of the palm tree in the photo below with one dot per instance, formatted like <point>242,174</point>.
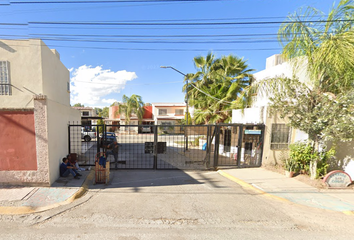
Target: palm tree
<point>213,89</point>
<point>326,45</point>
<point>132,105</point>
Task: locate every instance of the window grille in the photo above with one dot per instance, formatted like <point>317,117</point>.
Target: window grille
<point>5,86</point>
<point>280,137</point>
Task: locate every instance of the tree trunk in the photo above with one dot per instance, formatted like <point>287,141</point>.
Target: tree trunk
<point>313,169</point>
<point>313,163</point>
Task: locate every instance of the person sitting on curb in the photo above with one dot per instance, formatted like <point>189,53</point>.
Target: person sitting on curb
<point>66,169</point>
<point>74,163</point>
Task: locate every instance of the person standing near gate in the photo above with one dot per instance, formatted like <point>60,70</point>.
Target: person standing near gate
<point>113,150</point>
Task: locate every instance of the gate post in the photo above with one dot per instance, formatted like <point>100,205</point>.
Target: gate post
<point>98,138</point>
<point>69,137</point>
<point>217,142</point>
<point>262,141</point>
<point>239,147</point>
<point>155,147</point>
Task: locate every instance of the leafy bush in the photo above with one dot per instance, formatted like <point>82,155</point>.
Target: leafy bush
<point>303,154</point>
<point>290,165</point>
<point>322,163</point>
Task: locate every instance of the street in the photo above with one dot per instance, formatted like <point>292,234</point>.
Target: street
<point>176,205</point>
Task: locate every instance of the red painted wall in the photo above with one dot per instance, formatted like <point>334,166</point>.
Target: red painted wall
<point>17,141</point>
<point>115,112</point>
<point>148,112</point>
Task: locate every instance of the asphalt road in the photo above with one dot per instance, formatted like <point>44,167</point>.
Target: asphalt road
<point>176,205</point>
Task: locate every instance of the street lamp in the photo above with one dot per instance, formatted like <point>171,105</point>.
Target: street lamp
<point>186,98</point>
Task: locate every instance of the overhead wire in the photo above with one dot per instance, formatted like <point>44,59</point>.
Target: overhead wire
<point>104,1</point>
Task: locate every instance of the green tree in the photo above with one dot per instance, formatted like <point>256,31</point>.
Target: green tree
<point>98,111</point>
<point>115,104</point>
<point>100,122</point>
<point>132,105</point>
<point>326,51</point>
<point>105,112</point>
<point>78,105</point>
<point>216,86</point>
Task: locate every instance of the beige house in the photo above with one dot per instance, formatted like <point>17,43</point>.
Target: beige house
<point>154,114</point>
<point>88,115</point>
<point>168,113</point>
<point>34,112</point>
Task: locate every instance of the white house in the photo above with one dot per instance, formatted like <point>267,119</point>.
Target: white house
<point>278,135</point>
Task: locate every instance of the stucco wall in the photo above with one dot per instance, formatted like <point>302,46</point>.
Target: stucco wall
<point>274,157</point>
<point>59,116</point>
<point>55,77</point>
<point>17,141</point>
<point>24,58</point>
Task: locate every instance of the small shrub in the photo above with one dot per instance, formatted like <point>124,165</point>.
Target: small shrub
<point>302,154</point>
<point>290,165</point>
<point>323,162</point>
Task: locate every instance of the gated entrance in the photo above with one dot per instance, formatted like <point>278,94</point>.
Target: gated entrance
<point>169,146</point>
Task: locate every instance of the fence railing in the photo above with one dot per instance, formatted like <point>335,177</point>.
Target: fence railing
<point>169,146</point>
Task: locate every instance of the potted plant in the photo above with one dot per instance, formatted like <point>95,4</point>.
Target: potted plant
<point>290,166</point>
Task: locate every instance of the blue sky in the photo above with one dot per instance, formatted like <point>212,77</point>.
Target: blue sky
<point>108,60</point>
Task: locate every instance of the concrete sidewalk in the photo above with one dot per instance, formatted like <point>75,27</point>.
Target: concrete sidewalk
<point>278,186</point>
<point>25,200</point>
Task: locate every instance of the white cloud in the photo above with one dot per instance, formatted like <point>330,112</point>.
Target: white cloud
<point>90,84</point>
<point>109,101</point>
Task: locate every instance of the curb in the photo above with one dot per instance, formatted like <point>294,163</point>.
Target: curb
<point>251,187</point>
<point>28,210</point>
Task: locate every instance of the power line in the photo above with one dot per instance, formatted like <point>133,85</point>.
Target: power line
<point>105,1</point>
<point>183,23</point>
<point>159,36</point>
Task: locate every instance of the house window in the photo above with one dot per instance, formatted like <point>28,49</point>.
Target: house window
<point>162,111</point>
<point>85,113</point>
<point>280,137</point>
<point>5,86</point>
<point>179,112</point>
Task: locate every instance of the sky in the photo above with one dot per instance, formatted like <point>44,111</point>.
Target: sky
<point>116,47</point>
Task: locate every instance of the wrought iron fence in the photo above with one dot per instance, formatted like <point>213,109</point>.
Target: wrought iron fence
<point>169,146</point>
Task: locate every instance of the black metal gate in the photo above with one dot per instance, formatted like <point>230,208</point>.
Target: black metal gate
<point>169,146</point>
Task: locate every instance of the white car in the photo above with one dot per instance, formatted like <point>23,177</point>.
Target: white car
<point>87,136</point>
<point>145,129</point>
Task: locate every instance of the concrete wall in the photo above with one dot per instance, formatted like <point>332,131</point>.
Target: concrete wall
<point>59,117</point>
<point>255,115</point>
<point>24,57</point>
